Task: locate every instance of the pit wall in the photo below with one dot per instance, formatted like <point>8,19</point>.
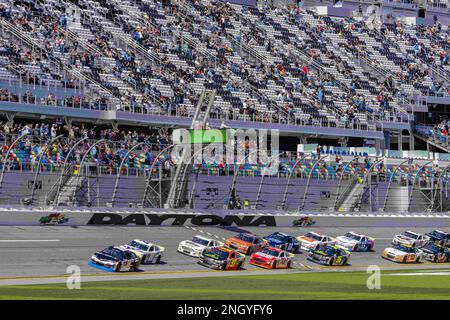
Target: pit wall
<point>216,218</point>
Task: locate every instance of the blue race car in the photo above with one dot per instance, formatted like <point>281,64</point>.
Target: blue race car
<point>283,241</point>
<point>440,237</point>
<point>436,253</point>
<point>115,259</point>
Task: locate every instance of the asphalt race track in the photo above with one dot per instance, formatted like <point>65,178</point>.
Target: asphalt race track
<point>41,254</point>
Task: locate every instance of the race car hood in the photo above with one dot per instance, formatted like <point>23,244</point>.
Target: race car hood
<point>346,240</point>
<point>192,245</point>
<point>133,249</point>
<point>319,252</point>
<point>395,251</point>
<point>239,242</point>
<point>211,256</point>
<point>404,238</point>
<point>273,241</point>
<point>263,255</point>
<point>306,239</point>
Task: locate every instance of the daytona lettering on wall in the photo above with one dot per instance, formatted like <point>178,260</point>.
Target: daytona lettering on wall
<point>180,219</point>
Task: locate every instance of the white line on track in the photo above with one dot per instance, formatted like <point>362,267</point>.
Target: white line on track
<point>31,240</point>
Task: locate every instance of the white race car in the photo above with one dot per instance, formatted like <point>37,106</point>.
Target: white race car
<point>197,245</point>
<point>353,241</point>
<point>313,240</point>
<point>403,254</point>
<point>146,251</point>
<point>410,238</point>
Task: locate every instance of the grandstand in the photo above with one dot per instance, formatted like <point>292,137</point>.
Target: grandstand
<point>91,90</point>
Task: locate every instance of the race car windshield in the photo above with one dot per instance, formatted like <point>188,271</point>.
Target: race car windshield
<point>352,236</point>
<point>280,237</point>
<point>138,245</point>
<point>411,235</point>
<point>217,254</point>
<point>203,242</point>
<point>438,234</point>
<point>110,254</point>
<point>313,236</point>
<point>404,249</point>
<point>270,252</point>
<point>245,237</point>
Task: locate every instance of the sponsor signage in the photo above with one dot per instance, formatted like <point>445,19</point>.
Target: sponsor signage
<point>141,219</point>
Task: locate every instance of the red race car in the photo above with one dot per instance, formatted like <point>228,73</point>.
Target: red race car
<point>272,258</point>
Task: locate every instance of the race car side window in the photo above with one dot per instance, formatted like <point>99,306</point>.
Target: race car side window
<point>233,255</point>
<point>282,254</point>
<point>363,239</point>
<point>151,248</point>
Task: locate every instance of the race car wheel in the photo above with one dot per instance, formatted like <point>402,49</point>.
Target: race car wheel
<point>344,261</point>
<point>295,249</point>
<point>239,265</point>
<point>330,262</point>
<point>274,264</point>
<point>133,267</point>
<point>418,260</point>
<point>369,248</point>
<point>249,250</point>
<point>404,259</point>
<point>118,265</point>
<point>355,248</point>
<point>435,259</point>
<point>289,264</point>
<point>158,259</point>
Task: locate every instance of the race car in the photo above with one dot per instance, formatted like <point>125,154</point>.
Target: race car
<point>115,259</point>
<point>329,255</point>
<point>197,245</point>
<point>221,258</point>
<point>440,237</point>
<point>146,251</point>
<point>402,254</point>
<point>246,243</point>
<point>435,253</point>
<point>303,222</point>
<point>352,242</point>
<point>411,238</point>
<point>272,258</point>
<point>312,240</point>
<point>282,241</point>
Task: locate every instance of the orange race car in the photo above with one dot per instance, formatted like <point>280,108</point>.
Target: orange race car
<point>246,243</point>
<point>403,254</point>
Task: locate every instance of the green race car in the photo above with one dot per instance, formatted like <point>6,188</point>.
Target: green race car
<point>329,255</point>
